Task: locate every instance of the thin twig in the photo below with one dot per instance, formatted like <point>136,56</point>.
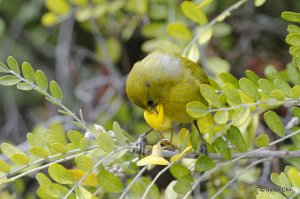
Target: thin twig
<point>47,165</point>
<point>237,176</point>
<point>59,103</point>
<point>156,177</point>
<point>207,173</point>
<point>95,167</point>
<point>47,158</point>
<point>212,22</point>
<point>247,155</point>
<point>132,182</point>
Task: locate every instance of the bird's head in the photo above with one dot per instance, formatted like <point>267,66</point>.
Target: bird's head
<point>149,83</point>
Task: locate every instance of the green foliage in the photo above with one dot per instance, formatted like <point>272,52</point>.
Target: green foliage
<point>274,123</point>
<point>204,163</point>
<point>228,119</point>
<point>288,181</point>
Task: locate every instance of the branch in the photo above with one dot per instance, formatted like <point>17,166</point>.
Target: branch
<point>207,173</point>
<point>212,22</point>
<point>95,167</point>
<point>48,96</point>
<point>132,182</point>
<point>237,176</point>
<point>248,155</point>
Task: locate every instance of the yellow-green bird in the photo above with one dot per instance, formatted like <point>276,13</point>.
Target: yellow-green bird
<point>162,84</point>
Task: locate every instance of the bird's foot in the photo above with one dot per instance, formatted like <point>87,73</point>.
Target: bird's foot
<point>203,149</point>
<point>141,143</point>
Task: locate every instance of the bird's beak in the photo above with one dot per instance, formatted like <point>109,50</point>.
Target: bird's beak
<point>155,116</point>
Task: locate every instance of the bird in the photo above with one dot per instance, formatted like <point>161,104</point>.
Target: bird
<point>163,84</point>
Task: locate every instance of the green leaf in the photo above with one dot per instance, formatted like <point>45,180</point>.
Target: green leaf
<point>291,16</point>
<point>54,191</point>
<point>240,116</point>
<point>13,65</point>
<point>235,136</point>
<point>293,175</point>
<point>60,174</point>
<point>59,148</point>
<point>83,144</point>
<point>262,140</point>
<point>293,74</point>
<point>284,86</point>
<point>231,93</point>
<point>57,6</point>
<point>252,76</point>
<point>296,111</point>
<point>266,86</point>
<point>271,73</point>
<point>55,136</point>
<point>130,168</point>
<point>275,178</point>
<point>295,92</point>
<point>35,140</point>
<point>180,172</point>
<point>3,68</point>
<point>210,95</point>
<point>229,78</point>
<point>223,148</point>
<point>84,162</point>
<point>204,38</point>
<point>118,132</point>
<point>217,65</point>
<point>14,154</point>
<point>274,123</point>
<point>293,39</point>
<point>55,91</point>
<point>192,53</point>
<point>191,11</point>
<point>284,180</point>
<point>221,117</point>
<point>179,31</point>
<point>259,3</point>
<point>24,86</point>
<point>38,151</point>
<point>4,167</point>
<point>82,193</point>
<point>195,140</point>
<point>182,186</point>
<point>293,28</point>
<point>214,84</point>
<point>74,136</point>
<point>204,163</point>
<point>9,80</point>
<point>278,94</point>
<point>105,142</point>
<point>28,72</point>
<point>41,80</point>
<point>196,109</point>
<point>221,29</point>
<point>109,181</point>
<point>43,180</point>
<point>249,88</point>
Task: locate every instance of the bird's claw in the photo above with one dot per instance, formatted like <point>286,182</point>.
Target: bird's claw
<point>203,149</point>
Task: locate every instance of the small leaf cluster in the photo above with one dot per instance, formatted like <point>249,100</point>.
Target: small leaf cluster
<point>236,101</point>
<point>29,79</point>
<point>293,38</point>
<point>92,168</point>
<point>288,182</point>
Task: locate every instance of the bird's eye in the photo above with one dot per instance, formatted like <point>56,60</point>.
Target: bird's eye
<point>150,102</point>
